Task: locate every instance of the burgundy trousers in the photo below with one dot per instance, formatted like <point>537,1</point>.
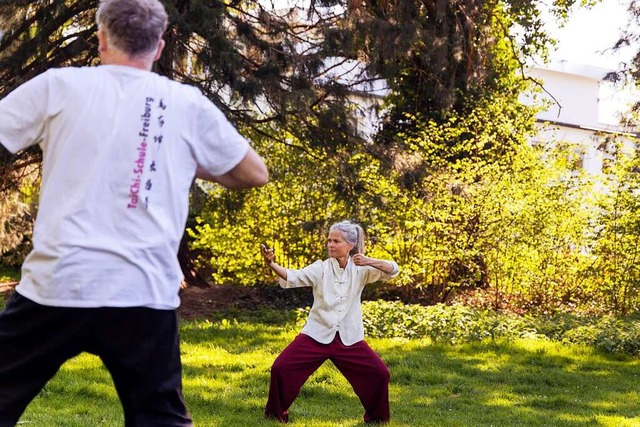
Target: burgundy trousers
<point>361,366</point>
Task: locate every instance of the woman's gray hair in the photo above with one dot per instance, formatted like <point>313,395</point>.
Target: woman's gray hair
<point>352,233</point>
<point>133,26</point>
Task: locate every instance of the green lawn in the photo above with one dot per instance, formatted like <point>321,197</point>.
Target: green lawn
<point>226,373</point>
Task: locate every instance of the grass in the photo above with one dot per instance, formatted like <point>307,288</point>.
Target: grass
<point>226,377</point>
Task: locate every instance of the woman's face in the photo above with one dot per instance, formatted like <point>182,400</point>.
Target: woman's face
<point>337,246</point>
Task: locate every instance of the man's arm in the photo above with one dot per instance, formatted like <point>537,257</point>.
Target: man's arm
<point>250,172</point>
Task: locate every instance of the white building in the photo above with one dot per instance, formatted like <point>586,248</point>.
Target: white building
<point>578,109</point>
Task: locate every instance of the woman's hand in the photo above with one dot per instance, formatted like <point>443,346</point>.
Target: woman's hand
<point>359,259</point>
<point>382,265</point>
<point>268,254</point>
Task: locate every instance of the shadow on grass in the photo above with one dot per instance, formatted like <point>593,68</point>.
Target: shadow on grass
<point>523,384</point>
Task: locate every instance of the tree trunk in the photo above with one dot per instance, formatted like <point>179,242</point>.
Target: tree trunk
<point>192,276</point>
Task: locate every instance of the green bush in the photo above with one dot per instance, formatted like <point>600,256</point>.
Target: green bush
<point>524,227</point>
<point>528,226</point>
<point>615,271</point>
<point>441,323</point>
<point>457,323</point>
<point>16,224</point>
<point>608,334</point>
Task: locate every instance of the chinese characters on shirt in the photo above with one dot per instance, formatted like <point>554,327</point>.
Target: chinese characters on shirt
<point>151,132</point>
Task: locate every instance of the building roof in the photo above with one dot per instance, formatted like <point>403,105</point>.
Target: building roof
<point>582,70</point>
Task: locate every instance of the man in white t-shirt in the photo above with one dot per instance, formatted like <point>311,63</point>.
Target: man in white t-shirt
<point>121,146</point>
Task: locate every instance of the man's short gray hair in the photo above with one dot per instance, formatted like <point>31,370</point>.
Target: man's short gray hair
<point>132,26</point>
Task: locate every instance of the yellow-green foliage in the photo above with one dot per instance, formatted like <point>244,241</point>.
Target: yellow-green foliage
<point>615,240</point>
<point>17,211</point>
<point>519,220</point>
<point>289,214</point>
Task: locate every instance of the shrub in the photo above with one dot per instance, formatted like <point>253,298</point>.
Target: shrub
<point>608,334</point>
<point>457,323</point>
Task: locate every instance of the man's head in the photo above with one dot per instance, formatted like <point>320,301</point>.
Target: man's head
<point>133,27</point>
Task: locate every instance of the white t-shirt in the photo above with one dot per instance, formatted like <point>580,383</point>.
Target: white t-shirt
<point>336,297</point>
<point>120,149</point>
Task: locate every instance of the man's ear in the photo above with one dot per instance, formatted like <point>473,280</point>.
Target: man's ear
<point>103,42</point>
<point>159,50</point>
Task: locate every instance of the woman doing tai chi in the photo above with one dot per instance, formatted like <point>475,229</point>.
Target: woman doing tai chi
<point>334,328</point>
